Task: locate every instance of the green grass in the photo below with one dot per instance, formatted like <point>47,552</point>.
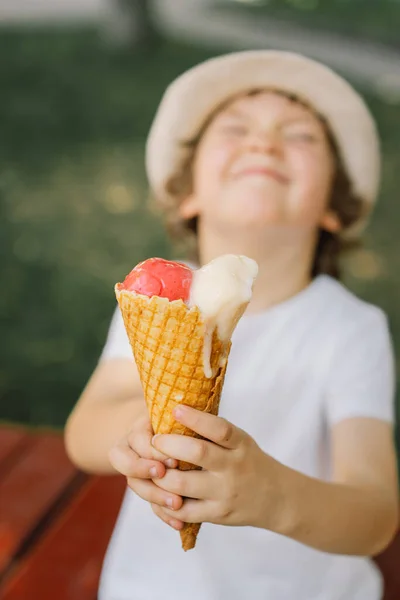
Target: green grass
<point>372,20</point>
<point>74,114</point>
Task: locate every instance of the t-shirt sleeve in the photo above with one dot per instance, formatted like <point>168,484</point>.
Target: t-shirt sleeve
<point>117,343</point>
<point>362,380</point>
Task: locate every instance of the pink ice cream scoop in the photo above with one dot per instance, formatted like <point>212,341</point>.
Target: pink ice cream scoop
<point>159,277</point>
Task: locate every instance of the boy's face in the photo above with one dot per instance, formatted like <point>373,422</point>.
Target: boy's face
<point>263,160</point>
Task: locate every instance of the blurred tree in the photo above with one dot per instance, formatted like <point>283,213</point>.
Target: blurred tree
<point>131,23</point>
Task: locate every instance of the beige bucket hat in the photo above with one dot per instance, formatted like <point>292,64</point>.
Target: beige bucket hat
<point>194,95</point>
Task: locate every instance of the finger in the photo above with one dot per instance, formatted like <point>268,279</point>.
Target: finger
<point>193,511</point>
<point>141,444</point>
<point>199,452</point>
<point>175,523</point>
<point>218,430</point>
<point>189,484</point>
<point>126,461</point>
<point>148,491</point>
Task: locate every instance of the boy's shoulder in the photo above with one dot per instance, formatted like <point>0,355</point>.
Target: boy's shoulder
<point>346,308</point>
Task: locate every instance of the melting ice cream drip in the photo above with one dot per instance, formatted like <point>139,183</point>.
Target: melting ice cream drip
<point>222,290</point>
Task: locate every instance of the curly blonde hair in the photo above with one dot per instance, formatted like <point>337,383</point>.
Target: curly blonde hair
<point>348,206</point>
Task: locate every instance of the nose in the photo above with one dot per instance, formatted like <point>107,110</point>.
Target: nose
<point>267,141</point>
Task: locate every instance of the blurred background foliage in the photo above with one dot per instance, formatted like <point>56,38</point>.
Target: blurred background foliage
<point>374,20</point>
<point>74,113</point>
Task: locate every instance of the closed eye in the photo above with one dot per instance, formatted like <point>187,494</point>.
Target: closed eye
<point>233,129</point>
<point>302,136</point>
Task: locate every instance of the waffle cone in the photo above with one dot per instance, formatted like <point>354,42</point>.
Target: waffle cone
<point>167,340</point>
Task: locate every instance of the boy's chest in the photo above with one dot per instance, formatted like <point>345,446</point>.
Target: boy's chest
<point>275,386</point>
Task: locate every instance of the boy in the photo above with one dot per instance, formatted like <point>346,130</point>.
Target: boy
<point>274,156</point>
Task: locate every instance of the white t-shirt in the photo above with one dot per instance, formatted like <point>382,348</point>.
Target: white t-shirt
<point>294,371</point>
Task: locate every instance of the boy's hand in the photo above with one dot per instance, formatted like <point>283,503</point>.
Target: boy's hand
<point>135,457</point>
<point>238,483</point>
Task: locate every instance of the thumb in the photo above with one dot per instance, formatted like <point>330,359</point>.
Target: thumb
<point>140,441</point>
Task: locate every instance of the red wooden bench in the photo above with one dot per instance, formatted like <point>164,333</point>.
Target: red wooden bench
<point>55,522</point>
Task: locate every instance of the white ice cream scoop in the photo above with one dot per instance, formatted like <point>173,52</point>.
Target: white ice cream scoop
<point>222,290</point>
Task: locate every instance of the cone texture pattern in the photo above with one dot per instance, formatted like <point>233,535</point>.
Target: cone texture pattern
<point>167,341</point>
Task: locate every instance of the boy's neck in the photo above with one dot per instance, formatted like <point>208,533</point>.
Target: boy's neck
<point>284,264</point>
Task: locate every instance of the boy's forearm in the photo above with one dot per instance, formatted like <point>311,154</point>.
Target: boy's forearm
<point>333,517</point>
<point>91,432</point>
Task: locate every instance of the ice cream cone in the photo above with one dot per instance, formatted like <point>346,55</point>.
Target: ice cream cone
<point>167,340</point>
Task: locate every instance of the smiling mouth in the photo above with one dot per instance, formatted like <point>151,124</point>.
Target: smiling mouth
<point>263,172</point>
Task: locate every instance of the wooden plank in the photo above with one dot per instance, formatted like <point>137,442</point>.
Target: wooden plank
<point>11,441</point>
<point>29,489</point>
<point>388,562</point>
<point>67,561</point>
